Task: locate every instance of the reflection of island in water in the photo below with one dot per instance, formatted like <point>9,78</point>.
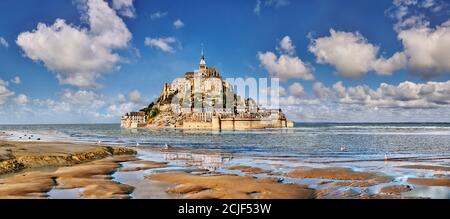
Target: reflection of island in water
<point>207,161</point>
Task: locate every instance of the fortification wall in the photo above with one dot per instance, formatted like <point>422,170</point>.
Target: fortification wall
<point>227,124</point>
<point>246,123</point>
<point>127,123</point>
<point>290,124</point>
<point>220,124</point>
<point>197,125</point>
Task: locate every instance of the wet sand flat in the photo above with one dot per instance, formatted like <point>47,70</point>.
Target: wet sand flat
<point>94,178</point>
<point>395,189</point>
<point>251,170</point>
<point>85,166</point>
<point>35,169</point>
<point>16,156</point>
<point>143,165</point>
<point>430,181</point>
<point>336,173</point>
<point>225,186</point>
<point>427,167</point>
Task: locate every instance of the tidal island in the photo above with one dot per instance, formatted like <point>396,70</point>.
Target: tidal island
<point>203,100</point>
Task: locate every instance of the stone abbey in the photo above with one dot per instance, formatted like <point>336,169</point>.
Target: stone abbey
<point>203,100</point>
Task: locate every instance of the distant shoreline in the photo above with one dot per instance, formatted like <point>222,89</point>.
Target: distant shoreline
<point>297,123</point>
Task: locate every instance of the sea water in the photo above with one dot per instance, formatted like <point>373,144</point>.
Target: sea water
<point>322,141</point>
<point>362,147</point>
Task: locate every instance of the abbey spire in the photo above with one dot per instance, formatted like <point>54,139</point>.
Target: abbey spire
<point>202,62</point>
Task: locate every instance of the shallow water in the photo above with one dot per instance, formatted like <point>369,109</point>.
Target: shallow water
<point>144,188</point>
<point>362,147</point>
<point>316,142</point>
<point>280,167</point>
<point>435,192</point>
<point>65,193</point>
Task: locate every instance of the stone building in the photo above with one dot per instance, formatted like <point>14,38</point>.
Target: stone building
<point>203,100</point>
<point>134,120</point>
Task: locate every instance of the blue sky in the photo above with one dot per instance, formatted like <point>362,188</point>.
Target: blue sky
<point>334,56</point>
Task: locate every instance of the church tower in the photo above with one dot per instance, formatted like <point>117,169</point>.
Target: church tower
<point>202,66</point>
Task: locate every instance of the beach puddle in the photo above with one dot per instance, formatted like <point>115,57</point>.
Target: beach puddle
<point>210,162</point>
<point>144,189</point>
<point>434,192</point>
<point>65,193</point>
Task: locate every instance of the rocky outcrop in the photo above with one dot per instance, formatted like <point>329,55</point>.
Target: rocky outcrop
<point>193,100</point>
<point>92,179</point>
<point>20,156</point>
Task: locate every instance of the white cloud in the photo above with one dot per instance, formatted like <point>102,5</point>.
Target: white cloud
<point>401,9</point>
<point>269,97</point>
<point>427,49</point>
<point>296,89</point>
<point>79,55</point>
<point>405,95</point>
<point>121,98</point>
<point>163,44</point>
<point>428,3</point>
<point>404,102</point>
<point>285,66</point>
<point>269,3</point>
<point>21,99</point>
<point>286,46</point>
<point>387,66</point>
<point>3,42</point>
<point>124,7</point>
<point>352,55</point>
<point>158,15</point>
<point>178,24</point>
<point>16,80</point>
<point>79,106</point>
<point>5,93</point>
<point>135,96</point>
<point>73,106</point>
<point>134,102</point>
<point>411,13</point>
<point>411,22</point>
<point>309,111</point>
<point>83,98</point>
<point>277,91</point>
<point>257,8</point>
<point>282,91</point>
<point>277,3</point>
<point>438,6</point>
<point>116,109</point>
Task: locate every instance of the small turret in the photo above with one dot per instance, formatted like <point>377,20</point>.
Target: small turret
<point>202,62</point>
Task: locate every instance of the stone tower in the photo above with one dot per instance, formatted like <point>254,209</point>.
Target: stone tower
<point>202,66</point>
